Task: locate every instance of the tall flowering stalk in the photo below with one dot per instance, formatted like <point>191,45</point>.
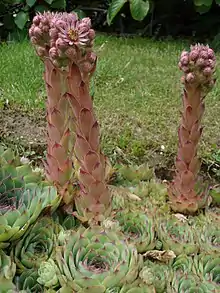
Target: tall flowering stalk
<point>198,65</point>
<point>65,45</point>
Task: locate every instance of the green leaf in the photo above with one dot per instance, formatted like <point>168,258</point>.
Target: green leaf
<point>202,9</point>
<point>139,9</point>
<point>114,8</point>
<point>59,4</point>
<point>49,1</point>
<point>40,8</point>
<point>21,19</point>
<point>81,14</point>
<point>217,1</point>
<point>30,2</point>
<point>203,2</point>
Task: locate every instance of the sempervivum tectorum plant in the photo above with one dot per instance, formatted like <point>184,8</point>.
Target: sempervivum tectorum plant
<point>36,245</point>
<point>96,259</point>
<point>207,266</point>
<point>189,283</point>
<point>156,274</point>
<point>177,236</point>
<point>182,264</point>
<point>185,192</point>
<point>21,199</point>
<point>137,226</point>
<point>27,282</point>
<point>7,272</point>
<point>209,237</point>
<point>64,43</point>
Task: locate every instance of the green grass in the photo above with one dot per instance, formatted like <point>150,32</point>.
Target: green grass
<point>137,95</point>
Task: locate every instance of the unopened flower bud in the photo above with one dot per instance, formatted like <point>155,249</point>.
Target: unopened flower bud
<point>71,53</point>
<point>193,55</point>
<point>34,40</point>
<point>60,44</point>
<point>86,67</point>
<point>45,28</point>
<point>211,54</point>
<point>184,60</point>
<point>207,71</point>
<point>86,22</point>
<point>204,54</point>
<point>190,77</point>
<point>53,53</point>
<point>37,32</point>
<point>200,62</point>
<point>91,34</point>
<point>53,33</point>
<point>184,53</point>
<point>41,51</point>
<point>37,19</point>
<point>185,69</point>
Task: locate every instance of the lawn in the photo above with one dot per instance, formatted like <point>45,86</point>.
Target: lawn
<point>137,96</point>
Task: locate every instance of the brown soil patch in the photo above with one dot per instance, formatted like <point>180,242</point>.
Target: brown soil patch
<point>23,128</point>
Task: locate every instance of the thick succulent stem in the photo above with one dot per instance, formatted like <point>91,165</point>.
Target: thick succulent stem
<point>58,165</point>
<point>94,197</point>
<point>198,67</point>
<point>65,43</point>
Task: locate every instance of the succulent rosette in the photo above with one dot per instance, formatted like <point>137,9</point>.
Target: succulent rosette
<point>47,274</point>
<point>182,264</point>
<point>96,259</point>
<point>209,237</point>
<point>7,272</point>
<point>189,283</point>
<point>137,226</point>
<point>207,266</point>
<point>135,173</point>
<point>156,274</point>
<point>22,198</point>
<point>177,236</point>
<point>27,282</point>
<point>36,245</point>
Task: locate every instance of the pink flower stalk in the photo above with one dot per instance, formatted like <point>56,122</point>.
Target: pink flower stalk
<point>185,192</point>
<point>64,43</point>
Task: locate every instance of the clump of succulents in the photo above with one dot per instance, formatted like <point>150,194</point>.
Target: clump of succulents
<point>186,193</point>
<point>138,227</point>
<point>177,235</point>
<point>73,232</point>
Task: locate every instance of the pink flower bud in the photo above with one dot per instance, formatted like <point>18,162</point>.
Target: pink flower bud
<point>45,28</point>
<point>183,79</point>
<point>204,54</point>
<point>193,55</point>
<point>86,22</point>
<point>37,19</point>
<point>92,57</point>
<point>86,67</point>
<point>207,71</point>
<point>53,53</point>
<point>60,44</point>
<point>34,40</point>
<point>41,51</point>
<point>184,60</point>
<point>71,53</point>
<point>185,69</point>
<point>37,32</point>
<point>91,34</point>
<point>53,33</point>
<point>211,54</point>
<point>190,77</point>
<point>184,53</point>
<point>212,63</point>
<point>31,30</point>
<point>200,62</point>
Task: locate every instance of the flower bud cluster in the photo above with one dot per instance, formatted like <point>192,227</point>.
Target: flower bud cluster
<point>64,39</point>
<point>198,66</point>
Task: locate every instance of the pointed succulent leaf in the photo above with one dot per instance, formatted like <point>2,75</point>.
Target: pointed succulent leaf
<point>27,282</point>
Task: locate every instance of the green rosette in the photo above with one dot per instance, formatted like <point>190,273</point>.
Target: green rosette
<point>96,259</point>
